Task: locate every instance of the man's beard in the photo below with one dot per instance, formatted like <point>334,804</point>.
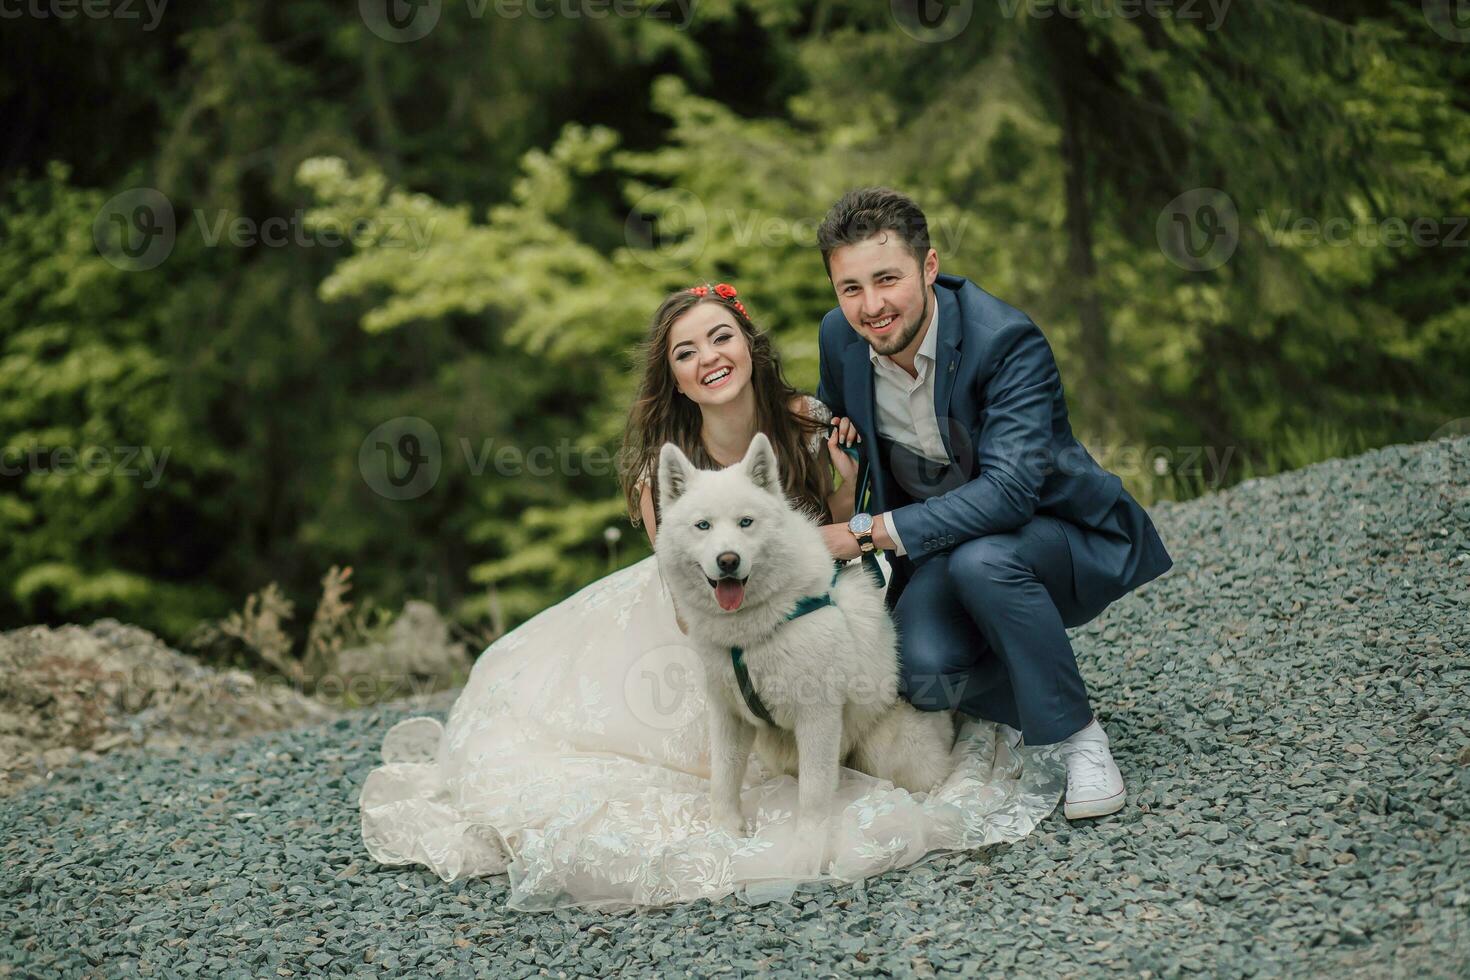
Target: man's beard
<point>896,344</point>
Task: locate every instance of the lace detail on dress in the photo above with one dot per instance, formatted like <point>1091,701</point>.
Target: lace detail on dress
<point>576,760</point>
<point>819,411</point>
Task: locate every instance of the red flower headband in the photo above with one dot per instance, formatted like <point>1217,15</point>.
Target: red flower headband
<point>724,291</point>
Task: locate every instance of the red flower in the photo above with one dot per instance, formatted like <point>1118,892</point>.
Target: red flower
<point>699,290</point>
<point>725,290</point>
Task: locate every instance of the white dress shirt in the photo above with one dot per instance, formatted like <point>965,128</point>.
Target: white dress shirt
<point>904,406</point>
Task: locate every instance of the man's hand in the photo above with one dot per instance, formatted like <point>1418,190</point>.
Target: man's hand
<point>843,434</point>
<point>840,541</point>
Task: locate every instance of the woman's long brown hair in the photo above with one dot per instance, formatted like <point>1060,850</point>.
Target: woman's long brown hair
<point>662,413</point>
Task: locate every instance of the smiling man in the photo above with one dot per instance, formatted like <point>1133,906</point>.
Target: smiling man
<point>1002,531</point>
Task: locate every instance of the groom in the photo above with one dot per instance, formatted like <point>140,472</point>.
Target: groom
<point>1001,529</point>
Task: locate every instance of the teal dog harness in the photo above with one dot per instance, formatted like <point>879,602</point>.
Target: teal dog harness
<point>804,605</point>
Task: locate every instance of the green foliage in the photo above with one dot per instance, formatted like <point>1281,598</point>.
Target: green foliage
<point>97,456</point>
<point>529,191</point>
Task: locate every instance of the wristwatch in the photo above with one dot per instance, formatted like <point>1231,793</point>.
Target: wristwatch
<point>861,527</point>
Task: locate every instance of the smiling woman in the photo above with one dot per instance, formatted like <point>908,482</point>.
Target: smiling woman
<point>711,381</point>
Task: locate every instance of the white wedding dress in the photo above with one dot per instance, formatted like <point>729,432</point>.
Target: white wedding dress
<point>576,761</point>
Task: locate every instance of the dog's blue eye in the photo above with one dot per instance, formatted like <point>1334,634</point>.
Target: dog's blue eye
<point>747,521</point>
<point>702,525</point>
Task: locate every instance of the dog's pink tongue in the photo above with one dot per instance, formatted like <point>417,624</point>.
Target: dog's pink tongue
<point>729,594</point>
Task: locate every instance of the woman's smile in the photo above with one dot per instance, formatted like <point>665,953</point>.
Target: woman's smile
<point>719,377</point>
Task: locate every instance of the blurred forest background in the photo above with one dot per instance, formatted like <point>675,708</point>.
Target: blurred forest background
<point>521,190</point>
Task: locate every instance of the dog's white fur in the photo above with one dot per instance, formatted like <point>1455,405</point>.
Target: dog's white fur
<point>829,678</point>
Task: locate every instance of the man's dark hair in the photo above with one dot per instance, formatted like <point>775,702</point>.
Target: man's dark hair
<point>865,212</point>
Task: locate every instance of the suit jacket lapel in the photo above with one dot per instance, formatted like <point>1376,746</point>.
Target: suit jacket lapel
<point>946,360</point>
<point>858,393</point>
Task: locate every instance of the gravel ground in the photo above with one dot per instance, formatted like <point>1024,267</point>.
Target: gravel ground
<point>1289,706</point>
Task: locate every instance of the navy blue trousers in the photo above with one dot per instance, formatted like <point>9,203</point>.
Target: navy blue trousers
<point>982,628</point>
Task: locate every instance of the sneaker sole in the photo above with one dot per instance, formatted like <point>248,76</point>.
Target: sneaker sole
<point>1094,808</point>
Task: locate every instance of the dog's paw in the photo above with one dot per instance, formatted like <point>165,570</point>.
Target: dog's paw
<point>730,822</point>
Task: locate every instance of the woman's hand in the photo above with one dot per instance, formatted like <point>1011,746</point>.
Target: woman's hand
<point>843,434</point>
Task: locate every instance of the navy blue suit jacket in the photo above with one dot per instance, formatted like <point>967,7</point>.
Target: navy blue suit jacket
<point>1003,418</point>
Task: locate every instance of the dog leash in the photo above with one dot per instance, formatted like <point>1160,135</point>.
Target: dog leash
<point>870,560</point>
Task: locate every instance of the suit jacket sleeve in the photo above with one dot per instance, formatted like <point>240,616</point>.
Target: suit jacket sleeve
<point>1018,390</point>
<point>829,382</point>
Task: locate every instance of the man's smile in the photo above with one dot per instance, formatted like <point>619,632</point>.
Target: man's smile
<point>883,324</point>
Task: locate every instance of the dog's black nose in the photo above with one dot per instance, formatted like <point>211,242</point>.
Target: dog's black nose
<point>728,562</point>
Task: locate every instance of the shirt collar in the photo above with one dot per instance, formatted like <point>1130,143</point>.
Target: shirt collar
<point>927,347</point>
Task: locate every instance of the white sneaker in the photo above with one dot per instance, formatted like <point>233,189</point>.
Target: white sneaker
<point>1094,784</point>
<point>1007,741</point>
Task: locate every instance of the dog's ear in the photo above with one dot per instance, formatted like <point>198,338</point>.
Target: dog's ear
<point>674,471</point>
<point>760,464</point>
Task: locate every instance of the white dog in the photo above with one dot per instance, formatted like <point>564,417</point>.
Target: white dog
<point>749,573</point>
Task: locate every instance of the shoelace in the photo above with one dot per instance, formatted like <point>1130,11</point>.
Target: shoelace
<point>1087,766</point>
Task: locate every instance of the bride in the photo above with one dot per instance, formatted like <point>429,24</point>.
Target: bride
<point>576,758</point>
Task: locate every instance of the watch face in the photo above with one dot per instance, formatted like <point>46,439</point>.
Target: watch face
<point>860,523</point>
